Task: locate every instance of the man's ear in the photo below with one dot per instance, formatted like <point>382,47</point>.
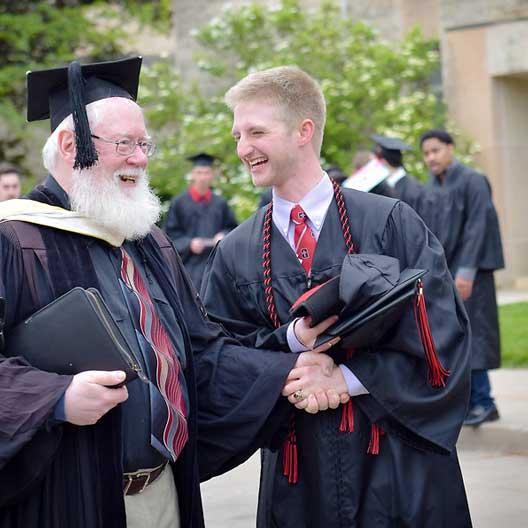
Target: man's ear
<point>306,132</point>
<point>66,146</point>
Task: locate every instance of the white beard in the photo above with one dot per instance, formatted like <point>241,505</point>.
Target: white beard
<point>130,213</point>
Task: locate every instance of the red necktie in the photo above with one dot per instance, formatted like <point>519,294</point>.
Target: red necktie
<point>303,238</point>
<point>172,430</point>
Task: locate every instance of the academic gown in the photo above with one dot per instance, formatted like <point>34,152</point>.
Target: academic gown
<point>467,226</point>
<point>409,190</point>
<point>57,475</point>
<point>415,481</point>
<point>188,219</point>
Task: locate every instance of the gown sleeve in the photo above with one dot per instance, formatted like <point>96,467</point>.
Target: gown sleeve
<point>27,395</point>
<point>228,219</point>
<point>240,407</point>
<point>395,371</point>
<point>478,203</point>
<point>175,229</point>
<point>225,305</point>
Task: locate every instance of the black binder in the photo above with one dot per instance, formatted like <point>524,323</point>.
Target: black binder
<point>72,334</point>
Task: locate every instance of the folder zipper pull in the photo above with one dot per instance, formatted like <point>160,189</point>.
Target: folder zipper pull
<point>309,280</point>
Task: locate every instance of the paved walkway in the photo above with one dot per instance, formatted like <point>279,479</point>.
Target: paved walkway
<point>508,296</point>
<point>494,460</point>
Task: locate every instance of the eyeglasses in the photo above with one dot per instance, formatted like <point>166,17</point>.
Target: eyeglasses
<point>126,147</point>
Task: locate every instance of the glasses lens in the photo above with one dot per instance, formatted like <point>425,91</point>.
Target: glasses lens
<point>125,147</point>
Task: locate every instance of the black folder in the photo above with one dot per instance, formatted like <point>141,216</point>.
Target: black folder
<point>72,334</point>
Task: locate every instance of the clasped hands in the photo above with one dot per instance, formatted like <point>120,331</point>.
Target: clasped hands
<point>315,383</point>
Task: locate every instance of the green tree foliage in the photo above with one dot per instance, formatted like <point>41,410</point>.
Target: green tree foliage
<point>40,34</point>
<point>370,86</point>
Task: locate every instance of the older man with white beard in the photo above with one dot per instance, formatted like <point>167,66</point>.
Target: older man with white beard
<point>75,451</point>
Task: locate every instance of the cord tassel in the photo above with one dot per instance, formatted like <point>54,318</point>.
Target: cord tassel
<point>347,418</point>
<point>347,413</point>
<point>290,467</point>
<point>374,444</point>
<point>436,373</point>
<point>85,152</point>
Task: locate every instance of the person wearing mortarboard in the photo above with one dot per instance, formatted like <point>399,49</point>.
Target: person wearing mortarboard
<point>198,218</point>
<point>428,202</point>
<point>400,184</point>
<point>74,451</point>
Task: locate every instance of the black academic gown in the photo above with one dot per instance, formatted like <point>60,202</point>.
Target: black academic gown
<point>467,225</point>
<point>409,190</point>
<point>188,219</point>
<point>57,475</point>
<point>415,481</point>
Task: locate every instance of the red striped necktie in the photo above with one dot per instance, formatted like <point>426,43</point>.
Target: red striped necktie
<point>173,432</point>
<point>303,238</point>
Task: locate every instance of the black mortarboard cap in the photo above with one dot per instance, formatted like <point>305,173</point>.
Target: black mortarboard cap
<point>368,296</point>
<point>202,159</point>
<point>390,149</point>
<point>58,92</point>
<point>390,143</point>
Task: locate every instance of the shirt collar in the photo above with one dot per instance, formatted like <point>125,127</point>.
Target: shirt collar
<point>315,204</point>
<point>395,177</point>
<point>197,197</point>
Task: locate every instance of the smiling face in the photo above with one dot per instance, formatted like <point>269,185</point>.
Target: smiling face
<point>115,192</point>
<point>266,144</point>
<point>122,119</point>
<point>437,155</point>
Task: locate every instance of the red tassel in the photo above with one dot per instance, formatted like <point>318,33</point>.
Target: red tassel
<point>436,373</point>
<point>289,455</point>
<point>347,418</point>
<point>374,444</point>
<point>347,413</point>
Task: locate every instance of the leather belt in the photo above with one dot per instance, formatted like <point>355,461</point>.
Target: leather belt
<point>136,482</point>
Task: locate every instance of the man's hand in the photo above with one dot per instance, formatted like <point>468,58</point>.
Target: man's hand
<point>219,236</point>
<point>197,246</point>
<point>464,287</point>
<point>306,335</point>
<point>322,391</point>
<point>90,396</point>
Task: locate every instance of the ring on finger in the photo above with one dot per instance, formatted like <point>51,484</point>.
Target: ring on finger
<point>299,395</point>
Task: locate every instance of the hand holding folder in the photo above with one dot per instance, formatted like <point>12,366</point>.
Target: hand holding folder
<point>72,334</point>
<point>369,296</point>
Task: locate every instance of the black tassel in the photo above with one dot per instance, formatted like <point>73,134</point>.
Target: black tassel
<point>86,155</point>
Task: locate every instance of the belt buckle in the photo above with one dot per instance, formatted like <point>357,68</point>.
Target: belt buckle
<point>128,484</point>
<point>134,476</point>
<point>147,480</point>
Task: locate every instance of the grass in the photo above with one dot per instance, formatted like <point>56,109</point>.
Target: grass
<point>513,320</point>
